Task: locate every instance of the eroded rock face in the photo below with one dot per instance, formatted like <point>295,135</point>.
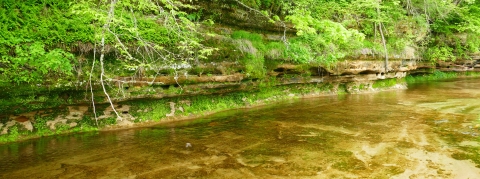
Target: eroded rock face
<point>76,112</point>
<point>122,110</point>
<point>27,125</point>
<point>53,124</point>
<point>371,67</point>
<point>408,53</point>
<point>451,66</point>
<point>459,65</point>
<point>21,119</point>
<point>358,75</point>
<point>170,80</point>
<point>346,72</point>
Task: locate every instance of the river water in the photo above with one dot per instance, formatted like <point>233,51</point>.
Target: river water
<point>428,131</point>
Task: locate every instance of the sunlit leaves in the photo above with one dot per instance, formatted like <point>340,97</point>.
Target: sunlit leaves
<point>32,63</point>
<point>320,40</point>
<point>440,53</point>
<point>145,33</point>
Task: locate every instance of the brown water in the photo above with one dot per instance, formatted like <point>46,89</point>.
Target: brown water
<point>427,131</point>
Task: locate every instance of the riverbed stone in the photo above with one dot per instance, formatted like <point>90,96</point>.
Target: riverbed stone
<point>52,124</point>
<point>172,109</point>
<point>122,110</point>
<point>124,123</point>
<point>76,112</point>
<point>27,125</point>
<point>72,124</point>
<point>7,126</point>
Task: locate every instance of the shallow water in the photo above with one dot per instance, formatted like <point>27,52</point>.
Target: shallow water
<point>427,131</point>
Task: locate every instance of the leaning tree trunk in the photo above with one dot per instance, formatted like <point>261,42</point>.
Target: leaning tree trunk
<point>106,26</point>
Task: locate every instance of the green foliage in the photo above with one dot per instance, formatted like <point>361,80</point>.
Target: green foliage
<point>157,109</point>
<point>275,51</point>
<point>40,126</point>
<point>299,52</point>
<point>342,89</point>
<point>24,98</point>
<point>262,4</point>
<point>256,52</point>
<point>267,91</point>
<point>29,33</point>
<point>321,41</point>
<point>61,128</point>
<point>173,90</point>
<point>439,53</point>
<point>254,66</point>
<point>12,135</point>
<point>471,73</point>
<point>45,21</point>
<point>152,31</point>
<point>246,35</point>
<point>38,37</point>
<point>31,63</point>
<point>326,87</point>
<point>86,123</point>
<point>41,129</point>
<point>109,121</point>
<point>472,44</point>
<point>436,75</point>
<point>385,83</point>
<point>147,36</point>
<point>417,24</point>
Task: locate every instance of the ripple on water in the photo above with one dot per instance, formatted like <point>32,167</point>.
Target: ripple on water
<point>397,134</point>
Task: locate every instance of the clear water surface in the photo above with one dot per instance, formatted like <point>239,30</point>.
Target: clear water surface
<point>427,131</point>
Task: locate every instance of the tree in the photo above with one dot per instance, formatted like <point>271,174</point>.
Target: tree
<point>130,29</point>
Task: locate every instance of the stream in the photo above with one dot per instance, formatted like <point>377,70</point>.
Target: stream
<point>427,131</point>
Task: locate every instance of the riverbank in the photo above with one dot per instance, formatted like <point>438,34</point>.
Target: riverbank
<point>149,112</point>
<point>439,75</point>
<point>421,132</point>
<point>254,104</point>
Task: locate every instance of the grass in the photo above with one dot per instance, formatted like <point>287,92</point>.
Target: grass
<point>439,75</point>
<point>387,83</point>
<point>436,75</point>
<point>12,135</point>
<point>267,92</point>
<point>258,55</point>
<point>17,132</point>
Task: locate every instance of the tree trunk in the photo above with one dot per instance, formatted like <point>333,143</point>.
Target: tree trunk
<point>383,41</point>
<point>102,55</point>
<point>384,47</point>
